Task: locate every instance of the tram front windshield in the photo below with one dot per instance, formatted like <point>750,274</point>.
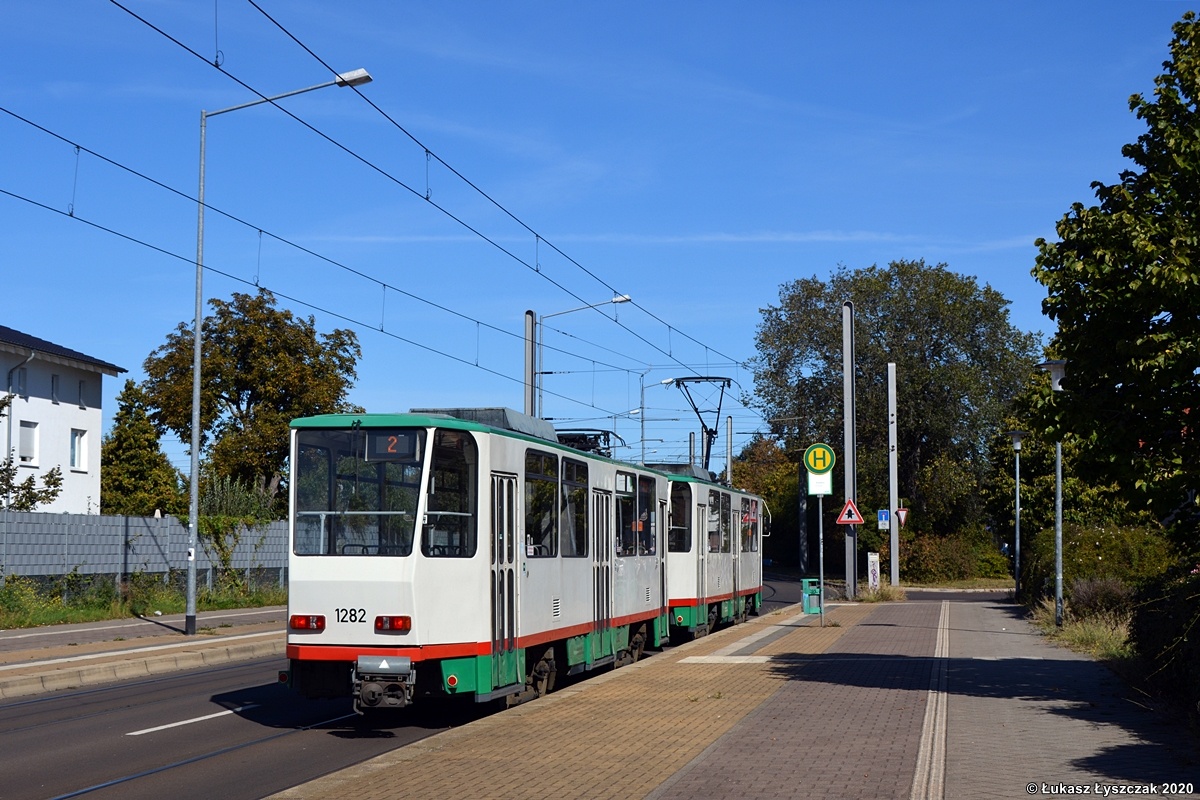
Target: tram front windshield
<point>357,490</point>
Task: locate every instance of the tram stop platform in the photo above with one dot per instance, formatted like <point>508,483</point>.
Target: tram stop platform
<point>942,699</point>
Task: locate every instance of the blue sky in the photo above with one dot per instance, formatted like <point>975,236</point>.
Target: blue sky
<point>694,155</point>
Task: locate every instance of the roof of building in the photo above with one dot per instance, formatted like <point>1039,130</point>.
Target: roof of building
<point>16,342</point>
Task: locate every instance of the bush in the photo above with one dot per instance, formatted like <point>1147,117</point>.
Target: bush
<point>1104,600</point>
<point>1130,555</point>
<point>928,558</point>
<point>1165,630</point>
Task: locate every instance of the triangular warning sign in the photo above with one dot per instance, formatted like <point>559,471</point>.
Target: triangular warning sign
<point>850,515</point>
<point>902,515</point>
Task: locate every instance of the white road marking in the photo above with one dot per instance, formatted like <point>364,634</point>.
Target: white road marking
<point>197,719</point>
<point>930,777</point>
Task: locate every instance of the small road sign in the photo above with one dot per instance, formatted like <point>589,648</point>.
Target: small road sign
<point>819,458</point>
<point>883,520</point>
<point>902,515</point>
<point>850,515</point>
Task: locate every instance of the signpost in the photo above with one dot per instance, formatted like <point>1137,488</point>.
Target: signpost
<point>819,460</point>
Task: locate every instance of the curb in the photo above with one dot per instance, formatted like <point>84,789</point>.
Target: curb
<point>126,669</point>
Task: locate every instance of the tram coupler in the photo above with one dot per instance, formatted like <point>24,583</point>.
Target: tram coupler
<point>382,682</point>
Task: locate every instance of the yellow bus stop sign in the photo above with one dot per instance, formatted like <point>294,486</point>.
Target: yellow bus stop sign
<point>819,458</point>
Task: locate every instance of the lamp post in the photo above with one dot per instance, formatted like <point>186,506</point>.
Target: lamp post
<point>355,78</point>
<point>1016,437</point>
<point>1057,370</point>
<point>622,298</point>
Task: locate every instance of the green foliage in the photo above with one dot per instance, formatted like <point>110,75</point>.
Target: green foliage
<point>262,367</point>
<point>228,509</point>
<point>764,468</point>
<point>1166,632</point>
<point>136,477</point>
<point>1130,555</point>
<point>1103,599</point>
<point>1123,285</point>
<point>963,555</point>
<point>29,602</point>
<point>959,363</point>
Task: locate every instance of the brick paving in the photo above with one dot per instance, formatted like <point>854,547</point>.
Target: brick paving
<point>1023,711</point>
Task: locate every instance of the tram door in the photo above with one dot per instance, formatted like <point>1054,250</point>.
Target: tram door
<point>505,656</point>
<point>602,549</point>
<point>702,547</point>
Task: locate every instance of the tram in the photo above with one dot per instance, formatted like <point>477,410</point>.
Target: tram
<point>469,553</point>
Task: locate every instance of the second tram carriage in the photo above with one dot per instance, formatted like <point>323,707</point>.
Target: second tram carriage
<point>469,553</point>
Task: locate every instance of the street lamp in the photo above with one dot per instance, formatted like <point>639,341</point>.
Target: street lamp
<point>355,78</point>
<point>1057,369</point>
<point>622,298</point>
<point>1016,437</point>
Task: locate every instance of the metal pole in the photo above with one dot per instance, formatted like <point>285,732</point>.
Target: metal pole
<point>642,414</point>
<point>729,450</point>
<point>1017,531</point>
<point>530,364</point>
<point>849,434</point>
<point>821,554</point>
<point>1058,567</point>
<point>893,475</point>
<point>189,622</point>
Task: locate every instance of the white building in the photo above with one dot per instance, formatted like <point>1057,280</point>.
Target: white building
<point>54,419</point>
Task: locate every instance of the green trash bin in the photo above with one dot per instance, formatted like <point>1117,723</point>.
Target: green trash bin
<point>811,590</point>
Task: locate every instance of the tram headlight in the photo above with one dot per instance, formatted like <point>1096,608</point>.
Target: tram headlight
<point>393,624</point>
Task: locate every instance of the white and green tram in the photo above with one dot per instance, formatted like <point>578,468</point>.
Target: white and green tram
<point>468,553</point>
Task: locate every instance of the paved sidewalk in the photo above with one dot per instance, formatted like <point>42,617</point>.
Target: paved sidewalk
<point>914,700</point>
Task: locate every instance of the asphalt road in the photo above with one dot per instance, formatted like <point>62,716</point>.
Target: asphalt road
<point>231,732</point>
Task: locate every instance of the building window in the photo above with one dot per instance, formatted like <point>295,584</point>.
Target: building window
<point>20,387</point>
<point>82,388</point>
<point>28,445</point>
<point>54,388</point>
<point>78,449</point>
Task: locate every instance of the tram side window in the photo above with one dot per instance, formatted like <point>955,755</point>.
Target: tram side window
<point>451,529</point>
<point>647,510</point>
<point>541,506</point>
<point>726,524</point>
<point>749,527</point>
<point>627,514</point>
<point>574,533</point>
<point>679,539</point>
<point>714,522</point>
<point>719,528</point>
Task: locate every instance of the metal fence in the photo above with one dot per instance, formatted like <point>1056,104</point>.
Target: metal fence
<point>57,544</point>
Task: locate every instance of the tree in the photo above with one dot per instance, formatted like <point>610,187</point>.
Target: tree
<point>25,495</point>
<point>136,477</point>
<point>262,367</point>
<point>1122,284</point>
<point>228,509</point>
<point>959,363</point>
